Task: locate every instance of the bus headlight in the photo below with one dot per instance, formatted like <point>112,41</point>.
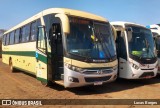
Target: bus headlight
<point>74,68</point>
<point>135,66</point>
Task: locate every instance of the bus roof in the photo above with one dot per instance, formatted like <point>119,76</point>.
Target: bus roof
<point>59,10</point>
<point>123,23</point>
<point>153,26</point>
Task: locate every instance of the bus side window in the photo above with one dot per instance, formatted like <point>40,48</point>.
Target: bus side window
<point>11,38</point>
<point>4,39</point>
<point>27,32</point>
<point>20,35</point>
<point>41,39</point>
<point>7,39</point>
<point>33,31</point>
<point>23,34</point>
<point>121,46</point>
<point>17,34</point>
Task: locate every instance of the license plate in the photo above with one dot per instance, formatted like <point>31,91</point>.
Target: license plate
<point>148,77</point>
<point>98,83</point>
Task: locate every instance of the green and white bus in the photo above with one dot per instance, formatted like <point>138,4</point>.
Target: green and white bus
<point>68,47</point>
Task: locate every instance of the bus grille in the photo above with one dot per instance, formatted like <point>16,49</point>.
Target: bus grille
<point>97,79</point>
<point>103,71</point>
<point>145,74</point>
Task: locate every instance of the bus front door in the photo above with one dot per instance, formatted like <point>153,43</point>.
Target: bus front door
<point>41,56</point>
<point>57,53</point>
<point>121,54</point>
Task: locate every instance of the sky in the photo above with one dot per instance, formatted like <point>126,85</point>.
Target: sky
<point>143,12</point>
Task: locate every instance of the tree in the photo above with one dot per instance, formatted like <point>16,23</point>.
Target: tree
<point>1,33</point>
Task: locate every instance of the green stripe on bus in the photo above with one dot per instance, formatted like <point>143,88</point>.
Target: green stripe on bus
<point>20,53</point>
<point>42,79</point>
<point>41,57</point>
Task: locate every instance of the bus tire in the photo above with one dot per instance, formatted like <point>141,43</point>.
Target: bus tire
<point>49,83</point>
<point>43,83</point>
<point>12,69</point>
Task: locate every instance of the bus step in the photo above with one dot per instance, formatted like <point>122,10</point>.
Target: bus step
<point>60,82</point>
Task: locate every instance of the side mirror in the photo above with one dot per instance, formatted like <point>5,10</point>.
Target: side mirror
<point>65,22</point>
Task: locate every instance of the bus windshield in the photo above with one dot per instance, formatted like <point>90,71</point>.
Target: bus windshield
<point>140,42</point>
<point>90,39</point>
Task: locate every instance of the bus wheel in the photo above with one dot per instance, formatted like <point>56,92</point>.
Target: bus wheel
<point>49,83</point>
<point>43,83</point>
<point>12,69</point>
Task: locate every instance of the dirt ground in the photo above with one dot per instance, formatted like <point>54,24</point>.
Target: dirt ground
<point>22,86</point>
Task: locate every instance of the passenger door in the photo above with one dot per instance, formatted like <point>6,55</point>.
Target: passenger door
<point>41,56</point>
<point>57,52</point>
<point>122,53</point>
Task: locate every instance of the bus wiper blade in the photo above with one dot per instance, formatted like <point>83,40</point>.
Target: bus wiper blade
<point>79,55</point>
<point>110,56</point>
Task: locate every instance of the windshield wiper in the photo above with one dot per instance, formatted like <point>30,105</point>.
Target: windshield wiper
<point>148,49</point>
<point>86,57</point>
<point>110,56</point>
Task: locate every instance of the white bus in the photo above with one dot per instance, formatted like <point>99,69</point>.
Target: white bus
<point>136,52</point>
<point>68,47</point>
<point>155,28</point>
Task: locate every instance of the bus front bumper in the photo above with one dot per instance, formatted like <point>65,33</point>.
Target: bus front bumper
<point>76,79</point>
<point>143,74</point>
